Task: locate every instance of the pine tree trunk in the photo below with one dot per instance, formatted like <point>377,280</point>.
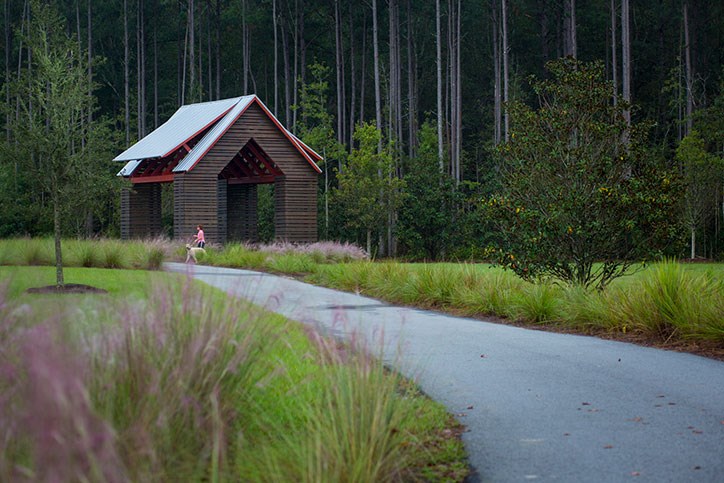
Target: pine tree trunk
<point>614,50</point>
<point>438,43</point>
<point>626,56</point>
<point>287,78</point>
<point>459,95</point>
<point>411,77</point>
<point>126,86</point>
<point>497,90</point>
<point>353,82</point>
<point>506,117</point>
<point>57,233</point>
<point>376,58</point>
<point>218,49</point>
<point>693,243</point>
<point>338,69</point>
<point>192,50</point>
<point>244,48</point>
<point>155,66</point>
<point>689,73</point>
<point>276,58</point>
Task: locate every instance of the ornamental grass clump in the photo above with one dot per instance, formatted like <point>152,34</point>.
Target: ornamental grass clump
<point>669,302</point>
<point>36,251</point>
<point>150,394</point>
<point>356,429</point>
<point>537,303</point>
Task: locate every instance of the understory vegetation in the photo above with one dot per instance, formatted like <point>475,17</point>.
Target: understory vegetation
<point>186,385</point>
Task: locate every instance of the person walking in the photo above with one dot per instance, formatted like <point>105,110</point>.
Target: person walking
<point>199,237</point>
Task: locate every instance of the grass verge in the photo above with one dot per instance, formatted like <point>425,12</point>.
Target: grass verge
<point>173,382</point>
<point>666,304</point>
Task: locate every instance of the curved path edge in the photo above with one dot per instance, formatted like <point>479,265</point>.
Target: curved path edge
<point>538,406</point>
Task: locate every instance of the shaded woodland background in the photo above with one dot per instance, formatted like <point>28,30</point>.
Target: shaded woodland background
<point>432,77</point>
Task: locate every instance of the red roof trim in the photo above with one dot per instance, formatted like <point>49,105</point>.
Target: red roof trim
<point>197,133</point>
<point>162,178</point>
<point>291,139</point>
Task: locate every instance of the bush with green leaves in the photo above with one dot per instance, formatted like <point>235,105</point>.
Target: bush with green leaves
<point>582,197</point>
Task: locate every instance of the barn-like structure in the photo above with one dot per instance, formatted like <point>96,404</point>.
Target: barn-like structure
<point>215,154</point>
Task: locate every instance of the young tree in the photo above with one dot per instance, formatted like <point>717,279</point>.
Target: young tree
<point>578,203</point>
<point>316,129</point>
<point>53,96</point>
<point>366,196</point>
<point>703,175</point>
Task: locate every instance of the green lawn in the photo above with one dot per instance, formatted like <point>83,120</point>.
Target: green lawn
<point>185,384</point>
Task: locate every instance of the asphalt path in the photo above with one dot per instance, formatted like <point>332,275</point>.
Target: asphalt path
<point>537,405</point>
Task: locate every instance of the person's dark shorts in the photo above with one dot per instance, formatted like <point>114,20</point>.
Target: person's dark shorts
<point>201,244</point>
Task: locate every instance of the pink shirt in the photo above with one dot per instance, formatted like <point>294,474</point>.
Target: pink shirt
<point>200,236</point>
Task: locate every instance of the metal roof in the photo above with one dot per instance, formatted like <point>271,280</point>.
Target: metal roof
<point>186,123</point>
<point>208,141</point>
<point>129,168</point>
<point>192,119</point>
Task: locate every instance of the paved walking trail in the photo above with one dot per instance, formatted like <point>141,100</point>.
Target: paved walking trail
<point>539,406</point>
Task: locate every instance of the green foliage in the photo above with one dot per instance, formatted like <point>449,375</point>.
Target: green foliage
<point>703,175</point>
<point>428,221</point>
<point>578,186</point>
<point>369,189</point>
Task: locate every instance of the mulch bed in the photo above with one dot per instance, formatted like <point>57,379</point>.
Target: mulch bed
<point>67,288</point>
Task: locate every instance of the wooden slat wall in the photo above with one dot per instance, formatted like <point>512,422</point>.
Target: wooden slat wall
<point>141,211</point>
<point>242,202</point>
<point>197,198</point>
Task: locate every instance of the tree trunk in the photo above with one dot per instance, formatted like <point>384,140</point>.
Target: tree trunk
<point>338,68</point>
<point>276,58</point>
<point>218,49</point>
<point>459,96</point>
<point>614,50</point>
<point>244,48</point>
<point>353,82</point>
<point>689,73</point>
<point>438,44</point>
<point>363,75</point>
<point>155,66</point>
<point>626,57</point>
<point>693,243</point>
<point>59,280</point>
<point>569,20</point>
<point>192,50</point>
<point>506,117</point>
<point>411,94</point>
<point>126,87</point>
<point>7,68</point>
<point>497,90</point>
<point>287,78</point>
<point>376,58</point>
<point>90,59</point>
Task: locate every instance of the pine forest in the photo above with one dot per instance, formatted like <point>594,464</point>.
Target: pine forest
<point>448,128</point>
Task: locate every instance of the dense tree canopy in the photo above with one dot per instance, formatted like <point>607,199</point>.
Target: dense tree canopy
<point>157,55</point>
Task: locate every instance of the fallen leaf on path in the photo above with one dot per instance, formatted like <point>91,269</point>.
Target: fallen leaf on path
<point>635,473</point>
<point>608,446</point>
<point>470,407</point>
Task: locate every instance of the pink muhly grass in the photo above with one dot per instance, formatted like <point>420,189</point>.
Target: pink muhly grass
<point>325,251</point>
<point>47,421</point>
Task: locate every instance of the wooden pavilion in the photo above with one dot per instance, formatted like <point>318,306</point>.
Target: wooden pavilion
<point>215,154</point>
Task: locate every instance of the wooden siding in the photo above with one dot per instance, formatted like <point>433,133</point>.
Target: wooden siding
<point>198,198</point>
<point>141,211</point>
